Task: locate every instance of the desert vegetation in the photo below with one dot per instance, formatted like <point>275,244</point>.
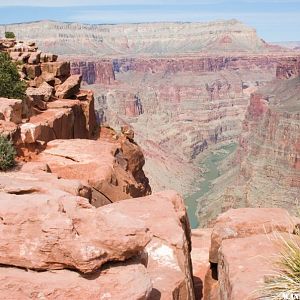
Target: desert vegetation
<point>11,85</point>
<point>10,35</point>
<point>7,154</point>
<point>285,284</point>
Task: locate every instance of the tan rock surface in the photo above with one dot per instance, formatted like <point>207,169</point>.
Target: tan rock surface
<point>55,231</point>
<point>11,110</point>
<point>103,167</point>
<point>200,258</point>
<point>69,88</point>
<point>245,264</point>
<point>115,283</point>
<point>168,253</point>
<point>243,222</point>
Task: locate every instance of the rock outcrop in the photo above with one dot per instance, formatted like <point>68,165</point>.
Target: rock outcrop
<point>244,249</point>
<point>47,226</point>
<point>103,165</point>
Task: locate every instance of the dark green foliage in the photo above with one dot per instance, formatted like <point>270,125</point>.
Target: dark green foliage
<point>9,35</point>
<point>11,85</point>
<point>7,154</point>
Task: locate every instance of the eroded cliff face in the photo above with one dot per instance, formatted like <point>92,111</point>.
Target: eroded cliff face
<point>140,39</point>
<point>266,172</point>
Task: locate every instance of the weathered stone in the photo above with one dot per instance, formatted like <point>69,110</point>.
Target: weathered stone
<point>100,167</point>
<point>42,93</point>
<point>32,71</point>
<point>117,282</point>
<point>69,88</point>
<point>37,98</point>
<point>11,110</point>
<point>56,68</point>
<point>245,264</point>
<point>200,258</point>
<point>243,222</point>
<point>11,131</point>
<point>168,253</point>
<point>34,58</point>
<point>48,57</point>
<point>14,55</point>
<point>62,231</point>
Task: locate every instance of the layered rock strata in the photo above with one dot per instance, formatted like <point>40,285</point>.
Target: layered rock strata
<point>267,160</point>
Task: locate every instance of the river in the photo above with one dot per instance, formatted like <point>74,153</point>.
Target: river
<point>211,172</point>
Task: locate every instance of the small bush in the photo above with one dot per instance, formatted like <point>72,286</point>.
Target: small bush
<point>286,282</point>
<point>11,85</point>
<point>7,154</point>
<point>9,35</point>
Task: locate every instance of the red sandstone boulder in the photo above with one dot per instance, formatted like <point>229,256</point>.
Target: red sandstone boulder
<point>168,253</point>
<point>56,68</point>
<point>243,222</point>
<point>11,110</point>
<point>34,58</point>
<point>11,131</point>
<point>48,57</point>
<point>56,231</point>
<point>40,95</point>
<point>64,119</point>
<point>118,282</point>
<point>69,88</point>
<point>97,163</point>
<point>245,264</point>
<point>32,71</point>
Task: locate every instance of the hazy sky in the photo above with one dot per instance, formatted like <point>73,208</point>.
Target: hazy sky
<point>275,20</point>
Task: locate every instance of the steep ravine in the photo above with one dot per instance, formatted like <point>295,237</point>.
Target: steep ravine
<point>210,166</point>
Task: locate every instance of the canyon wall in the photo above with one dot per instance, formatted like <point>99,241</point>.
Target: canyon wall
<point>183,87</point>
<point>140,39</point>
<point>266,172</point>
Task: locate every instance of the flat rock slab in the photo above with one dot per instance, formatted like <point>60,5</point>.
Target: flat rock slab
<point>46,232</point>
<point>243,222</point>
<point>116,283</point>
<point>245,263</point>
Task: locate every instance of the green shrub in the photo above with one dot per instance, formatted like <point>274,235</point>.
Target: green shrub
<point>11,85</point>
<point>7,154</point>
<point>9,35</point>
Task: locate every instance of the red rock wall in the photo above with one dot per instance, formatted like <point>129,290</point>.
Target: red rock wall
<point>94,72</point>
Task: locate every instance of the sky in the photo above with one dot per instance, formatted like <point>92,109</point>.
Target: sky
<point>275,20</point>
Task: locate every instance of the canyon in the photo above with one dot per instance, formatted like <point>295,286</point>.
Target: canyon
<point>79,216</point>
<point>184,88</point>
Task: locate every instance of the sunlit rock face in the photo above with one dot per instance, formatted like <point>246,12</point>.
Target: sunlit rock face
<point>267,159</point>
<point>148,38</point>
